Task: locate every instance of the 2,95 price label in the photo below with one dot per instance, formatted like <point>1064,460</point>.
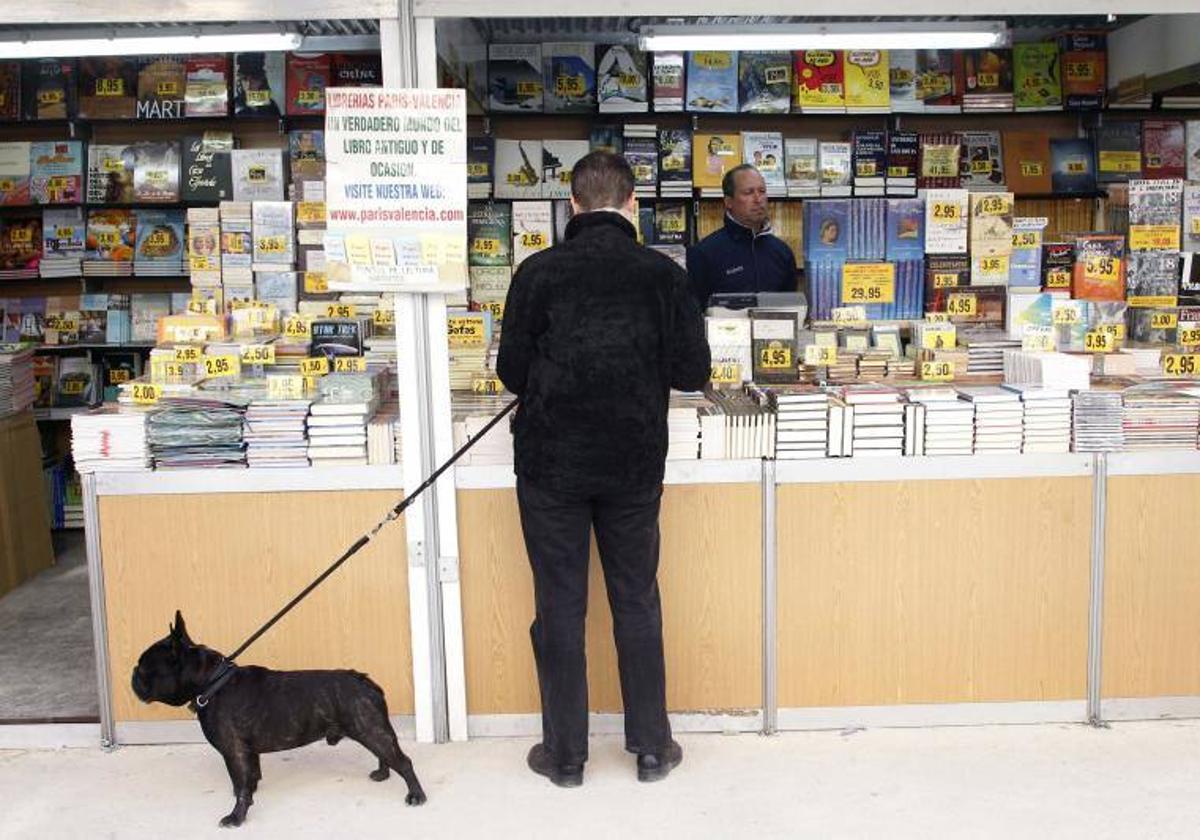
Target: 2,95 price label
<point>144,393</point>
<point>933,371</point>
<point>1181,364</point>
<point>341,310</point>
<point>384,317</point>
<point>349,364</point>
<point>222,366</point>
<point>188,354</point>
<point>297,326</point>
<point>496,307</point>
<point>1189,335</point>
<point>775,358</point>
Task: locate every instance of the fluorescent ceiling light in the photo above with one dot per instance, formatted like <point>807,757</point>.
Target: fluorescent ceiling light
<point>64,46</point>
<point>831,36</point>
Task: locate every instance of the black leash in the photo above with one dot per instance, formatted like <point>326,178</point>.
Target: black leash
<point>226,669</point>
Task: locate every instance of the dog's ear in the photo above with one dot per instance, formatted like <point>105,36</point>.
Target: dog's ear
<point>179,630</point>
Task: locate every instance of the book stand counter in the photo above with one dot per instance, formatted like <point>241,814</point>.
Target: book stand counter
<point>229,548</point>
<point>25,545</point>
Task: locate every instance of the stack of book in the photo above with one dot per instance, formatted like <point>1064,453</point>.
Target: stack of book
<point>472,412</point>
<point>1154,417</point>
<point>196,432</point>
<point>161,247</point>
<point>801,422</point>
<point>111,237</point>
<point>878,420</point>
<point>109,439</point>
<point>337,432</point>
<point>383,432</point>
<point>16,378</point>
<point>1048,370</point>
<point>999,418</point>
<point>641,151</point>
<point>683,428</point>
<point>749,428</point>
<point>1096,422</point>
<point>949,423</point>
<point>985,351</point>
<point>63,240</point>
<point>274,433</point>
<point>1047,419</point>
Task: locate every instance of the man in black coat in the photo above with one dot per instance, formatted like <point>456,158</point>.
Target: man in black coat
<point>597,330</point>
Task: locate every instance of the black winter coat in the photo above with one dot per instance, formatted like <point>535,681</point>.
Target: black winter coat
<point>597,330</point>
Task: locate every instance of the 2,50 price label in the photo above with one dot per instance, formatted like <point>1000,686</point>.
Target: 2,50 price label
<point>937,371</point>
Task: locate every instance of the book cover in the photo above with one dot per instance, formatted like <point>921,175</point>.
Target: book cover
<point>1027,162</point>
<point>1084,69</point>
<point>774,343</point>
<point>991,224</point>
<point>903,162</point>
<point>15,170</point>
<point>1152,279</point>
<point>56,172</point>
<point>108,87</point>
<point>672,223</point>
<point>642,155</point>
<point>306,154</point>
<point>622,82</point>
<point>558,159</point>
<point>10,90</point>
<point>1191,217</point>
<point>827,230</point>
<point>803,171</point>
<point>273,226</point>
<point>1118,150</point>
<point>1154,203</point>
<point>570,77</point>
<point>905,229</point>
<point>207,175</point>
<point>902,81</point>
<point>206,93</point>
<point>1099,272</point>
<point>645,224</point>
<point>481,156</point>
<point>160,87</point>
<point>837,171</point>
<point>764,81</point>
<point>607,138</point>
<point>258,84</point>
<point>48,89</point>
<point>946,221</point>
<point>532,228</point>
<point>714,155</point>
<point>21,244</point>
<point>515,77</point>
<point>869,158</point>
<point>356,70</point>
<point>156,172</point>
<point>489,234</point>
<point>257,174</point>
<point>1072,165</point>
<point>982,164</point>
<point>110,174</point>
<point>989,80</point>
<point>160,237</point>
<point>1163,149</point>
<point>1058,265</point>
<point>940,161</point>
<point>764,151</point>
<point>1192,139</point>
<point>111,235</point>
<point>63,233</point>
<point>669,81</point>
<point>307,78</point>
<point>712,81</point>
<point>1036,78</point>
<point>819,81</point>
<point>518,168</point>
<point>1025,262</point>
<point>867,80</point>
<point>940,80</point>
<point>675,156</point>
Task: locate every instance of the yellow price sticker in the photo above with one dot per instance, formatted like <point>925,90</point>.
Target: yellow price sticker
<point>167,89</point>
<point>272,244</point>
<point>897,171</point>
<point>1163,320</point>
<point>1058,278</point>
<point>1025,239</point>
<point>868,283</point>
<point>116,376</point>
<point>384,317</point>
<point>310,212</point>
<point>485,246</point>
<point>1099,341</point>
<point>775,358</point>
<point>222,366</point>
<point>285,386</point>
<point>188,354</point>
<point>258,98</point>
<point>146,393</point>
<point>981,167</point>
<point>569,86</point>
<point>988,79</point>
<point>110,87</point>
<point>849,315</point>
<point>496,307</point>
<point>477,170</point>
<point>994,267</point>
<point>1189,337</point>
<point>962,303</point>
<point>937,317</point>
<point>51,97</point>
<point>1076,167</point>
<point>820,355</point>
<point>173,371</point>
<point>486,385</point>
<point>72,387</point>
<point>297,326</point>
<point>529,88</point>
<point>258,354</point>
<point>946,211</point>
<point>341,310</point>
<point>1081,71</point>
<point>349,364</point>
<point>1031,169</point>
<point>310,97</point>
<point>726,373</point>
<point>316,282</point>
<point>534,239</point>
<point>1181,364</point>
<point>945,280</point>
<point>937,371</point>
<point>1154,238</point>
<point>1101,267</point>
<point>317,366</point>
<point>993,205</point>
<point>1065,315</point>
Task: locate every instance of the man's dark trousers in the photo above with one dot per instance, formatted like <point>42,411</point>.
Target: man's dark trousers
<point>557,536</point>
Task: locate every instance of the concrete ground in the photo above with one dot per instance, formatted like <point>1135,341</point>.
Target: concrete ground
<point>1063,781</point>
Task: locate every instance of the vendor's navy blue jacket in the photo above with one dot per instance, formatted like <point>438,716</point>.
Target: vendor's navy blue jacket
<point>734,259</point>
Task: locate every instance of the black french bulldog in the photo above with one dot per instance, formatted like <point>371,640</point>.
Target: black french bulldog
<point>259,710</point>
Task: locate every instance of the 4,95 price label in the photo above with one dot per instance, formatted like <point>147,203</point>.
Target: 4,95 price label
<point>775,358</point>
<point>963,304</point>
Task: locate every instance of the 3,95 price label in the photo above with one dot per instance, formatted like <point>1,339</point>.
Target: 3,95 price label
<point>820,355</point>
<point>1099,341</point>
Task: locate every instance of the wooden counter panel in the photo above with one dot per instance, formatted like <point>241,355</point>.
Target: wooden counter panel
<point>711,583</point>
<point>933,591</point>
<point>25,544</point>
<point>230,561</point>
<point>1152,587</point>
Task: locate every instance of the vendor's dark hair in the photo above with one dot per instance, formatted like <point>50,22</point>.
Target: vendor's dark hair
<point>601,179</point>
<point>729,182</point>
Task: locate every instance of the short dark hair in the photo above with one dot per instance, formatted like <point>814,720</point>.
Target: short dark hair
<point>601,179</point>
<point>729,182</point>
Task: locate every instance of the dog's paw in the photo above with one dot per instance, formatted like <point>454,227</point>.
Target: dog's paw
<point>380,775</point>
<point>417,798</point>
<point>231,821</point>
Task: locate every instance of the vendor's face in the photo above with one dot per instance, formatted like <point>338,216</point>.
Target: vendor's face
<point>748,204</point>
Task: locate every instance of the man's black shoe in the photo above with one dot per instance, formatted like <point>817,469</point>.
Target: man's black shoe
<point>653,767</point>
<point>563,775</point>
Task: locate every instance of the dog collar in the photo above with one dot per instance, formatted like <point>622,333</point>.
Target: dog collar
<point>224,671</point>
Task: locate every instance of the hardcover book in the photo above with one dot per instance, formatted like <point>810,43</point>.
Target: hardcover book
<point>940,80</point>
<point>56,172</point>
<point>1163,149</point>
<point>1099,272</point>
<point>558,159</point>
<point>982,164</point>
<point>1072,165</point>
<point>156,172</point>
<point>1027,162</point>
<point>110,174</point>
<point>713,155</point>
<point>764,151</point>
<point>989,78</point>
<point>902,77</point>
<point>532,228</point>
<point>869,162</point>
<point>481,158</point>
<point>672,223</point>
<point>1084,69</point>
<point>258,84</point>
<point>642,155</point>
<point>803,171</point>
<point>669,82</point>
<point>306,154</point>
<point>1118,150</point>
<point>10,90</point>
<point>867,81</point>
<point>489,233</point>
<point>108,88</point>
<point>1036,77</point>
<point>903,162</point>
<point>940,161</point>
<point>257,174</point>
<point>712,81</point>
<point>837,172</point>
<point>48,89</point>
<point>518,169</point>
<point>207,90</point>
<point>675,157</point>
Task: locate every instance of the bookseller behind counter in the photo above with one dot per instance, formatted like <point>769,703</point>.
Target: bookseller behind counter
<point>744,255</point>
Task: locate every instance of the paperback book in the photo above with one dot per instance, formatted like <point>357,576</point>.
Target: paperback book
<point>819,82</point>
<point>307,78</point>
<point>258,84</point>
<point>712,81</point>
<point>622,81</point>
<point>764,82</point>
<point>515,77</point>
<point>160,87</point>
<point>570,77</point>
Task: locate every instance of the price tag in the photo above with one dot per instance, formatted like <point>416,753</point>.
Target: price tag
<point>341,310</point>
<point>1080,71</point>
<point>222,366</point>
<point>272,244</point>
<point>316,282</point>
<point>465,331</point>
<point>534,240</point>
<point>256,174</point>
<point>1181,364</point>
<point>485,246</point>
<point>1154,238</point>
<point>1163,320</point>
<point>384,317</point>
<point>349,364</point>
<point>994,269</point>
<point>188,354</point>
<point>820,355</point>
<point>1025,239</point>
<point>868,283</point>
<point>937,317</point>
<point>108,238</point>
<point>477,170</point>
<point>486,385</point>
<point>993,205</point>
<point>116,376</point>
<point>1058,278</point>
<point>310,98</point>
<point>945,280</point>
<point>937,371</point>
<point>51,97</point>
<point>981,167</point>
<point>1031,169</point>
<point>529,88</point>
<point>988,80</point>
<point>258,98</point>
<point>318,366</point>
<point>726,373</point>
<point>173,371</point>
<point>962,303</point>
<point>297,326</point>
<point>1101,267</point>
<point>110,87</point>
<point>258,354</point>
<point>1189,336</point>
<point>570,86</point>
<point>145,393</point>
<point>1099,341</point>
<point>1113,161</point>
<point>849,316</point>
<point>865,169</point>
<point>1065,315</point>
<point>496,307</point>
<point>72,387</point>
<point>1195,226</point>
<point>285,386</point>
<point>775,358</point>
<point>310,212</point>
<point>946,212</point>
<point>1152,301</point>
<point>1038,338</point>
<point>939,336</point>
